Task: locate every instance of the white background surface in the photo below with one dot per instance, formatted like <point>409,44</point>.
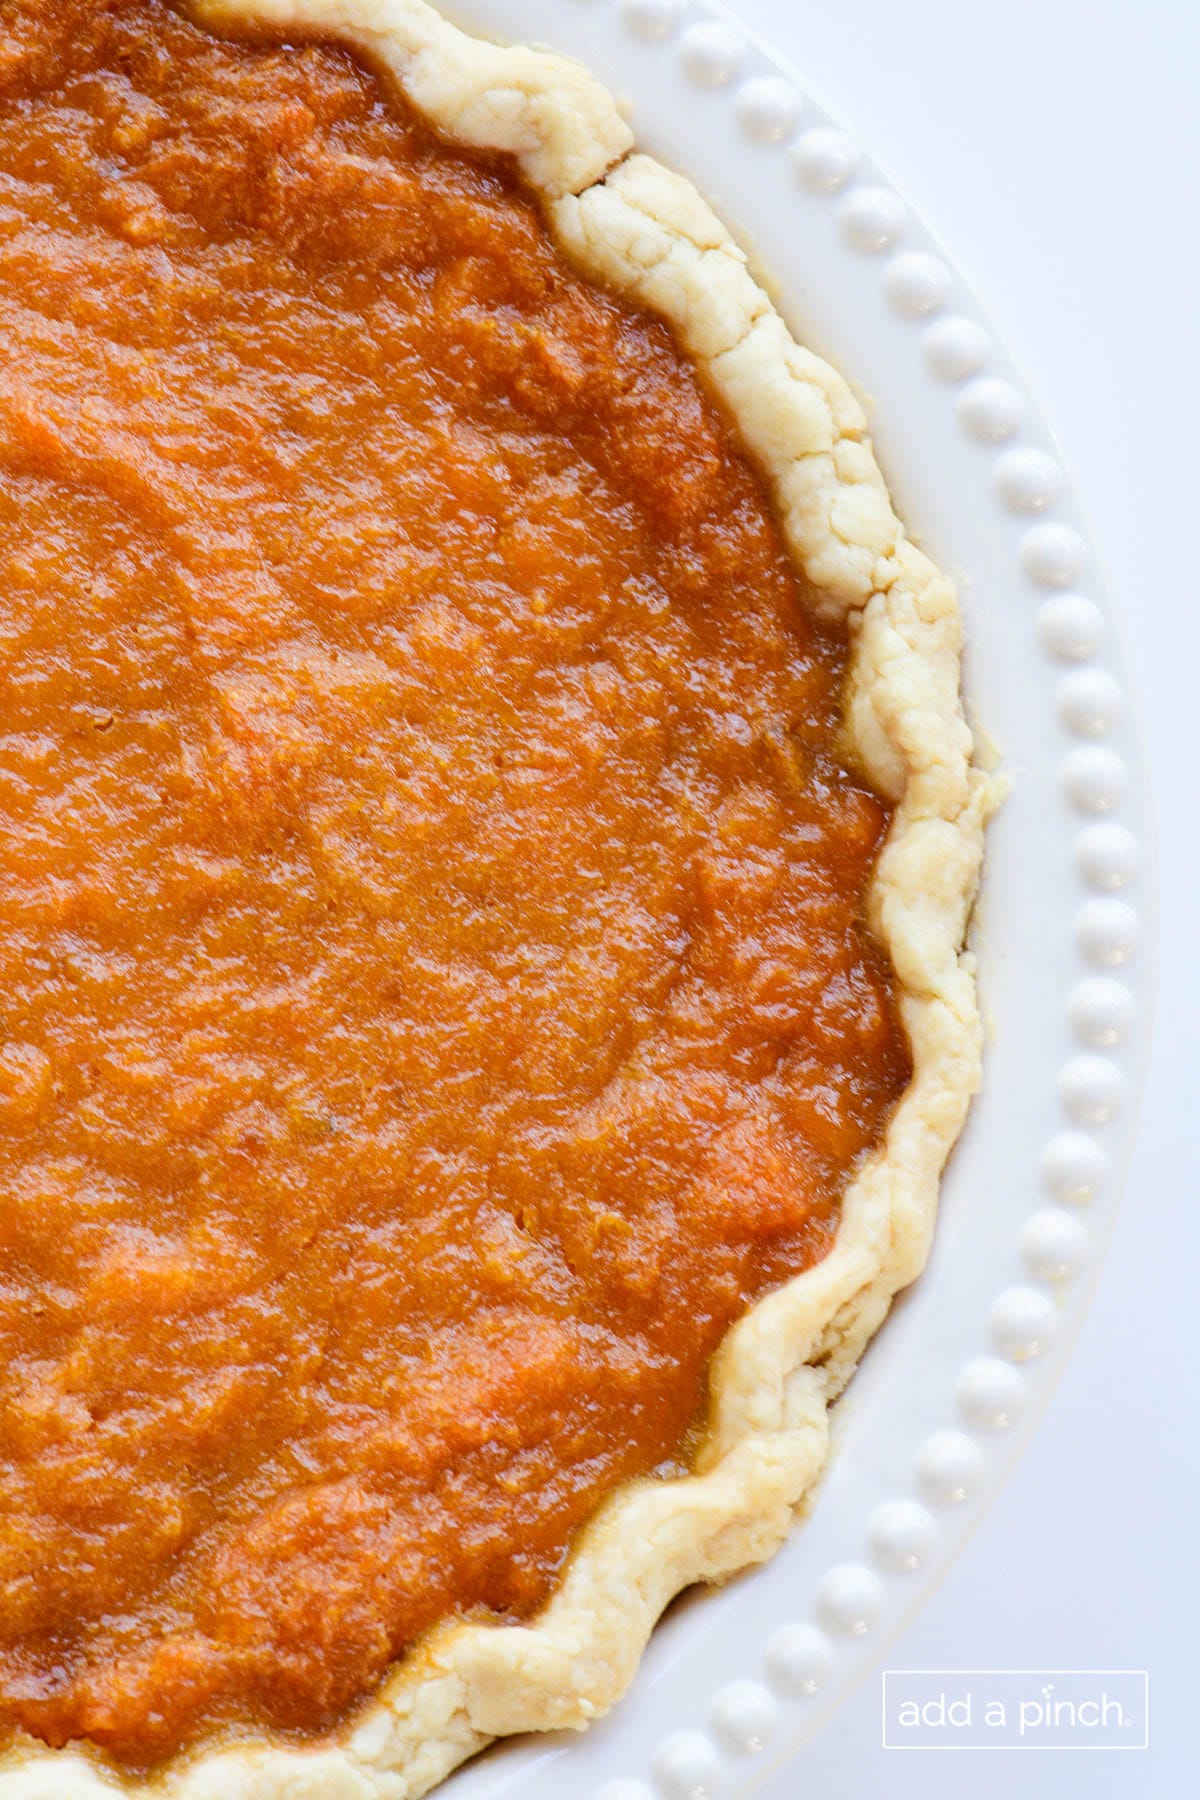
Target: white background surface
<point>1055,144</point>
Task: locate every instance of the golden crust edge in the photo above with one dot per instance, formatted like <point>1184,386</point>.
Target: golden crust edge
<point>648,234</point>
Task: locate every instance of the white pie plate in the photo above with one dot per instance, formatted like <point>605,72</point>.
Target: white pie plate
<point>734,1680</point>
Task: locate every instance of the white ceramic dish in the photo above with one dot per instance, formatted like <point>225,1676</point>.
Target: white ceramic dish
<point>947,1394</point>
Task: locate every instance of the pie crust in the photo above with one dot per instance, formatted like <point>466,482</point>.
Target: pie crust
<point>648,235</point>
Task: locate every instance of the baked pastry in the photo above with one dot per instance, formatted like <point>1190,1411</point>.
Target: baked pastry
<point>489,832</point>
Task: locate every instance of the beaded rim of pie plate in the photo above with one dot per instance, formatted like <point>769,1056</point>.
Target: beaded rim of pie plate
<point>858,1603</point>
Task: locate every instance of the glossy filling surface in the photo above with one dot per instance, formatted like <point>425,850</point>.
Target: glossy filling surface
<point>434,997</point>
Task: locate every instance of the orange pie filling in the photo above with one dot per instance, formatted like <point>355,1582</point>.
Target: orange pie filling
<point>434,992</point>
